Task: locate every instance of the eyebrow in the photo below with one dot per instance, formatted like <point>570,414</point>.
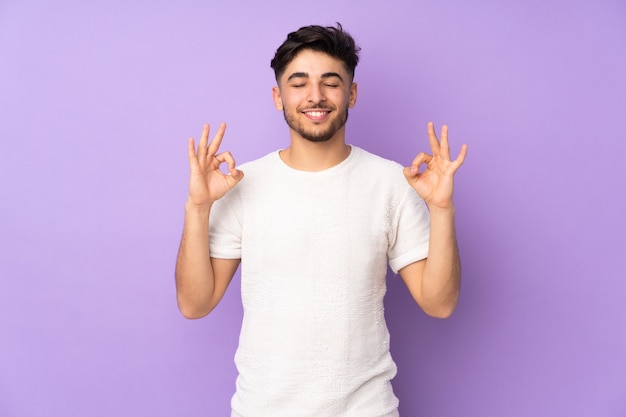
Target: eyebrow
<point>306,75</point>
<point>331,74</point>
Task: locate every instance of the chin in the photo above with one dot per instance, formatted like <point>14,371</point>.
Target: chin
<point>319,136</point>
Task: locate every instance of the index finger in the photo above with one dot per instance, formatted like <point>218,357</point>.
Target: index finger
<point>217,140</point>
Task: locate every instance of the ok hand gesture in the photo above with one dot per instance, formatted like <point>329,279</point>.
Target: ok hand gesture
<point>435,184</point>
<point>207,183</point>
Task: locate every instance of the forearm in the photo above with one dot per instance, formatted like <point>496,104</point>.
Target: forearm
<point>195,283</point>
<point>442,272</point>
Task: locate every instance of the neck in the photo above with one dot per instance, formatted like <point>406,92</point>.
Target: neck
<point>305,155</point>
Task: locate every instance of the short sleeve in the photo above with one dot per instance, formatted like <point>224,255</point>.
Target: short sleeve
<point>410,232</point>
<point>225,229</point>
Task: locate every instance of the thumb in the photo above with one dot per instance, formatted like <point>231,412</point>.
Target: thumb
<point>410,173</point>
<point>235,176</point>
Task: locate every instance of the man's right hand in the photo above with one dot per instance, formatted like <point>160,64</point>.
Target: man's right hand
<point>207,183</point>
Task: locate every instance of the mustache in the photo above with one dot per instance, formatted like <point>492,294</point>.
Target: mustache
<point>318,106</point>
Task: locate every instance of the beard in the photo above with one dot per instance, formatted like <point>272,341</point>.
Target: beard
<point>317,135</point>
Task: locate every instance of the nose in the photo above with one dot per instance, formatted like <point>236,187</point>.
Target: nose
<point>316,93</point>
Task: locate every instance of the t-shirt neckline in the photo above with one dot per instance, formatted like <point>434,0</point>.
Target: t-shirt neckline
<point>354,151</point>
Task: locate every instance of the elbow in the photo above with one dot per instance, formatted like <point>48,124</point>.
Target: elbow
<point>192,314</point>
<point>440,310</point>
<point>441,313</point>
<point>192,311</point>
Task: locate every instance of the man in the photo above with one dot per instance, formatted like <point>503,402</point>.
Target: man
<point>314,226</point>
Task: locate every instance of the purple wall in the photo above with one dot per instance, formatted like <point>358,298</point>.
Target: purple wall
<point>97,100</point>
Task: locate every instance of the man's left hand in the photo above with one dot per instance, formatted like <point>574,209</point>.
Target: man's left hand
<point>435,184</point>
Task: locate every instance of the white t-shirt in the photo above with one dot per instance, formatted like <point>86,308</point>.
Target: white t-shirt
<point>314,248</point>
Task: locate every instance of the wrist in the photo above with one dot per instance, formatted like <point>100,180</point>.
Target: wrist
<point>191,207</point>
<point>449,210</point>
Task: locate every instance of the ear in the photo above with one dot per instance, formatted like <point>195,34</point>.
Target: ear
<point>278,101</point>
<point>353,93</point>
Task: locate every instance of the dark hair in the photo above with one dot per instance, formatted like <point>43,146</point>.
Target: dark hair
<point>332,40</point>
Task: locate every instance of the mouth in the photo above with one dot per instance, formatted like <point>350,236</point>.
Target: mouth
<point>316,114</point>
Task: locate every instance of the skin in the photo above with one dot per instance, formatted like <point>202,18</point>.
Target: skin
<point>435,281</point>
<point>201,280</point>
<point>314,81</point>
<point>314,93</point>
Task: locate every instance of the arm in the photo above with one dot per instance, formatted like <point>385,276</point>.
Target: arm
<point>201,281</point>
<point>435,281</point>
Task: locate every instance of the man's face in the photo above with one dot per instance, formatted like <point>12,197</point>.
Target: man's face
<point>314,93</point>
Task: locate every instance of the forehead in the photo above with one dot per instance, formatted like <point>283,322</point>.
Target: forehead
<point>315,64</point>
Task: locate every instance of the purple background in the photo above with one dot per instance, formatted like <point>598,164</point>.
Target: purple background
<point>98,99</point>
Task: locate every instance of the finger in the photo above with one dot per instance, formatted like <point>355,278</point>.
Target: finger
<point>228,158</point>
<point>444,146</point>
<point>432,138</point>
<point>462,154</point>
<point>215,144</point>
<point>421,158</point>
<point>237,175</point>
<point>191,152</point>
<point>202,145</point>
<point>410,172</point>
<point>413,170</point>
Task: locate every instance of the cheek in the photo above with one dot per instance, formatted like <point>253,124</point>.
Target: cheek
<point>291,101</point>
<point>342,97</point>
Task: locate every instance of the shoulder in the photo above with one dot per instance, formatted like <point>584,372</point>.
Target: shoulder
<point>258,173</point>
<point>368,158</point>
<point>258,169</point>
<point>261,163</point>
<point>376,166</point>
